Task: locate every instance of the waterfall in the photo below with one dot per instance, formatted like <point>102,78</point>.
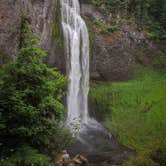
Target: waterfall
<point>77,52</point>
<point>88,131</point>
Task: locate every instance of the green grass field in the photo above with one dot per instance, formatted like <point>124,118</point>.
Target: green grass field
<point>135,111</point>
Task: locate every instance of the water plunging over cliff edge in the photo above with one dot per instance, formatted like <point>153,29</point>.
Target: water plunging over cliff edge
<point>92,138</point>
<point>77,50</point>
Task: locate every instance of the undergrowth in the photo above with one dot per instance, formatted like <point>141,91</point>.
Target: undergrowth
<point>135,111</point>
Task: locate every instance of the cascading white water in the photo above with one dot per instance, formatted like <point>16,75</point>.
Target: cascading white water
<point>77,50</point>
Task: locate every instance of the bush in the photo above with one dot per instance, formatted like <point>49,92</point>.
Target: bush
<point>30,100</point>
<point>155,156</point>
<point>160,61</point>
<point>31,106</point>
<point>27,156</point>
<point>140,161</point>
<point>152,35</point>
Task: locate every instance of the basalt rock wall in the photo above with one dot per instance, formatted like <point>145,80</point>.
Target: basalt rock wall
<point>112,56</point>
<point>41,15</point>
<point>116,53</point>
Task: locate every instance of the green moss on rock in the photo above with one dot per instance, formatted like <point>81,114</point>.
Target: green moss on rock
<point>56,24</point>
<point>89,24</point>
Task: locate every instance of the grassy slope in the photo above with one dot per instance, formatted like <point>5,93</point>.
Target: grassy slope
<point>136,110</point>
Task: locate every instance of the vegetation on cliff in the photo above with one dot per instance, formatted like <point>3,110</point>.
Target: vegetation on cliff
<point>31,94</point>
<point>149,15</point>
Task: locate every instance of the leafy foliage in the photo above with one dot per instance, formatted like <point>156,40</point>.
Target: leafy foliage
<point>148,14</point>
<point>140,161</point>
<point>27,39</point>
<point>155,157</point>
<point>30,99</point>
<point>30,106</point>
<point>27,156</point>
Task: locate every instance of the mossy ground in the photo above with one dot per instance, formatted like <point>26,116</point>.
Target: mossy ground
<point>135,111</point>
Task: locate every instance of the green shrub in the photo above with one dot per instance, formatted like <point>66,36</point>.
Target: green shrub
<point>149,15</point>
<point>160,60</point>
<point>108,29</point>
<point>112,28</point>
<point>140,161</point>
<point>152,35</point>
<point>97,21</point>
<point>31,105</point>
<point>26,156</point>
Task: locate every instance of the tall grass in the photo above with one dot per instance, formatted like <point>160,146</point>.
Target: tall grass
<point>136,110</point>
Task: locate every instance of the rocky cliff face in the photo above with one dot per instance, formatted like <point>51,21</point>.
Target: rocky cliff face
<point>9,22</point>
<point>41,15</point>
<point>114,54</point>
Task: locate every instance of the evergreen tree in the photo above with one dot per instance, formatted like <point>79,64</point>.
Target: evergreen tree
<point>30,102</point>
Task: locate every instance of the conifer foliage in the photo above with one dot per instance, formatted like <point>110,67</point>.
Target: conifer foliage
<point>30,105</point>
